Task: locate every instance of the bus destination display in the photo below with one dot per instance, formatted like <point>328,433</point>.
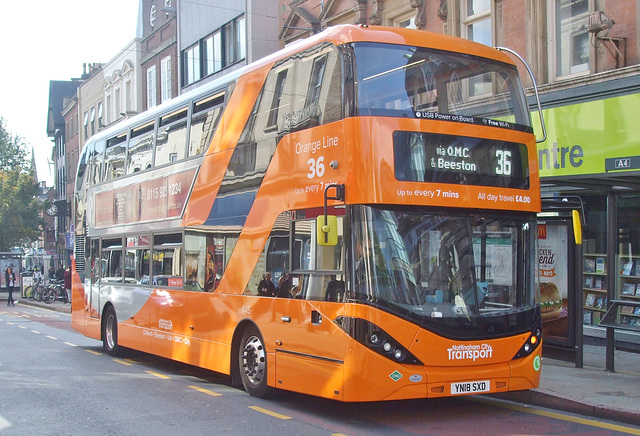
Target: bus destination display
<point>438,158</point>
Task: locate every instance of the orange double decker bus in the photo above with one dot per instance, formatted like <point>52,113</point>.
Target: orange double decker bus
<point>353,217</point>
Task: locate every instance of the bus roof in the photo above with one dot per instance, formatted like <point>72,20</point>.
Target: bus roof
<point>338,35</point>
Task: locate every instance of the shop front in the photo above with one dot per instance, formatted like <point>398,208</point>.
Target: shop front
<point>592,153</point>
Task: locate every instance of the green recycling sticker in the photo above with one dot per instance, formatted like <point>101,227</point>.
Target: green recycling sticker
<point>536,363</point>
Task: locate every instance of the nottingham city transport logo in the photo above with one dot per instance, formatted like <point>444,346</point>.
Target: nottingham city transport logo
<point>470,352</point>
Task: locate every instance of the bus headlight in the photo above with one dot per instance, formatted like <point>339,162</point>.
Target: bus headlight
<point>532,342</point>
<point>376,339</point>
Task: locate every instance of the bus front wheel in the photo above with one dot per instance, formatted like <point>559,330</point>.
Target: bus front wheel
<point>110,332</point>
<point>253,363</point>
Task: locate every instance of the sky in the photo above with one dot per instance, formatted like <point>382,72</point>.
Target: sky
<point>46,40</point>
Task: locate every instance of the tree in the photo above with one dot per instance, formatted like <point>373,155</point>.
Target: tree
<point>20,221</point>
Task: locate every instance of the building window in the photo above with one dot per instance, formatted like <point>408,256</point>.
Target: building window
<point>100,123</point>
<point>191,61</point>
<point>93,119</point>
<point>408,23</point>
<point>222,48</point>
<point>118,111</point>
<point>476,21</point>
<point>571,18</point>
<point>129,96</point>
<point>315,82</point>
<point>107,116</point>
<point>234,43</point>
<point>165,78</point>
<point>151,86</point>
<point>241,38</point>
<point>477,27</point>
<point>212,53</point>
<point>277,95</point>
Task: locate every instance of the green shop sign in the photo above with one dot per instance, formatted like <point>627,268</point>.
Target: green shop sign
<point>590,138</point>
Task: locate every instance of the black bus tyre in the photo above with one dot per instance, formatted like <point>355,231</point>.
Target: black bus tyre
<point>110,333</point>
<point>252,361</point>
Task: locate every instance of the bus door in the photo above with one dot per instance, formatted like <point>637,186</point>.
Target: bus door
<point>309,355</point>
<point>92,282</point>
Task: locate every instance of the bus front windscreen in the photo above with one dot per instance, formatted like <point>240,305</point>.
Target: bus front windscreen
<point>406,81</point>
<point>461,276</point>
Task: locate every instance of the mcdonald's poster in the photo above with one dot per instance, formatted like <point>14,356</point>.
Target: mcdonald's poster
<point>553,277</point>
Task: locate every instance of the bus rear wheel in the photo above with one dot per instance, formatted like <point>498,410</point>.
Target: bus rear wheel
<point>110,332</point>
<point>253,363</point>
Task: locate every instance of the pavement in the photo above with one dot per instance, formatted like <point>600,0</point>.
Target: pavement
<point>589,391</point>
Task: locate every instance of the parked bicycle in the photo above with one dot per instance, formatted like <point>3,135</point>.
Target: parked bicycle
<point>58,291</point>
<point>47,291</point>
<point>28,292</point>
<point>35,291</point>
<point>54,291</point>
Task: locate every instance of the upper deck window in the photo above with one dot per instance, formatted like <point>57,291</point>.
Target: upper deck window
<point>206,115</point>
<point>172,137</point>
<point>406,81</point>
<point>115,156</point>
<point>141,148</point>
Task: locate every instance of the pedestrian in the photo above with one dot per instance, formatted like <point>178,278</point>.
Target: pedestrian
<point>10,280</point>
<point>67,283</point>
<point>60,273</point>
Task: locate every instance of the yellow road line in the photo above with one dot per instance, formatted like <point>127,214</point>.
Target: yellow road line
<point>93,352</point>
<point>70,344</point>
<point>162,376</point>
<point>35,331</point>
<point>205,391</point>
<point>10,323</point>
<point>562,417</point>
<point>123,362</point>
<point>52,337</point>
<point>22,327</point>
<point>269,412</point>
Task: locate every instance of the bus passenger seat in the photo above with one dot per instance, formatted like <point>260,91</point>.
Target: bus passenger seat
<point>335,290</point>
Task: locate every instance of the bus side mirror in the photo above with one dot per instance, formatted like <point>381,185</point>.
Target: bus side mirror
<point>327,231</point>
<point>577,226</point>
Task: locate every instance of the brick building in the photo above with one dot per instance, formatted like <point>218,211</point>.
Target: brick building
<point>159,51</point>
